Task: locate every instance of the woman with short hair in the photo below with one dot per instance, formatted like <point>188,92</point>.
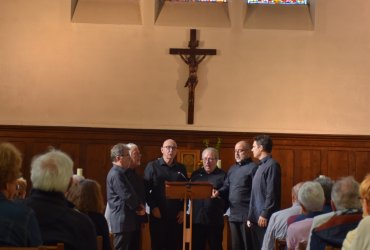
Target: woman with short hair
<point>18,223</point>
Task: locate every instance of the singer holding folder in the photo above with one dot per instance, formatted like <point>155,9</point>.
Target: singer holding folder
<point>208,214</point>
<point>166,215</point>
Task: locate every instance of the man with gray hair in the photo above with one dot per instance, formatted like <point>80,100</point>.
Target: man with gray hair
<point>311,198</point>
<point>51,175</point>
<point>208,214</point>
<point>327,185</point>
<point>277,228</point>
<point>125,195</point>
<point>332,228</point>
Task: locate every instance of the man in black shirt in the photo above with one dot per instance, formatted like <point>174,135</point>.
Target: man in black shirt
<point>208,214</point>
<point>237,188</point>
<point>166,216</point>
<point>266,189</point>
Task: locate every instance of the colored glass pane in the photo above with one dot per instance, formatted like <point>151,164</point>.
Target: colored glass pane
<point>211,1</point>
<point>277,1</point>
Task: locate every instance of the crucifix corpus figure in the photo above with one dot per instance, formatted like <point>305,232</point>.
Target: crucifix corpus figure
<point>192,57</point>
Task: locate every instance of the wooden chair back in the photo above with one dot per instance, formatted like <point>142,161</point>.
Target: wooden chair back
<point>19,248</point>
<point>59,246</point>
<point>327,247</point>
<point>99,242</point>
<point>279,244</point>
<point>111,240</point>
<point>302,245</point>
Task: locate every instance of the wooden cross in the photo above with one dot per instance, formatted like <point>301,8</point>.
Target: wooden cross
<point>192,57</point>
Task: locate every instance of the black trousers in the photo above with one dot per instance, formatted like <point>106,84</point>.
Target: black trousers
<point>257,236</point>
<point>127,240</point>
<point>211,234</point>
<point>241,238</point>
<point>165,234</point>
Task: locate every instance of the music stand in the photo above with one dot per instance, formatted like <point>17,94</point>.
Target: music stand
<point>188,191</point>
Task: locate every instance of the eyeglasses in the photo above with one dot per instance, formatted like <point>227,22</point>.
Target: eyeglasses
<point>123,156</point>
<point>239,151</point>
<point>170,147</point>
<point>209,159</point>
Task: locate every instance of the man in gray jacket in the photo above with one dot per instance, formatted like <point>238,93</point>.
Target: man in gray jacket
<point>125,195</point>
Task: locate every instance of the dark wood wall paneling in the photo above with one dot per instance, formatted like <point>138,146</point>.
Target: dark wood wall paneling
<point>302,157</point>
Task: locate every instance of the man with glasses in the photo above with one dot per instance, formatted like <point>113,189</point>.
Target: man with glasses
<point>166,216</point>
<point>237,188</point>
<point>208,214</point>
<point>126,203</point>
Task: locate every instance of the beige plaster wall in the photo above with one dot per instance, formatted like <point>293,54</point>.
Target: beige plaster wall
<point>56,72</point>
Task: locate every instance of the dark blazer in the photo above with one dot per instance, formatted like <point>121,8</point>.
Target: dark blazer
<point>125,194</point>
<point>60,223</point>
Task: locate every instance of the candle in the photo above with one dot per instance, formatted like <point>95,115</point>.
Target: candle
<point>79,171</point>
<point>219,163</point>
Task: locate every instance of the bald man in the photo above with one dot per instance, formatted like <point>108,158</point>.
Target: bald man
<point>166,216</point>
<point>237,188</point>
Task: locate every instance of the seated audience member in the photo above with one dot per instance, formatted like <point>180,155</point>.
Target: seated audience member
<point>327,185</point>
<point>311,198</point>
<point>51,174</point>
<point>21,188</point>
<point>90,201</point>
<point>18,224</point>
<point>359,238</point>
<point>277,227</point>
<point>346,216</point>
<point>71,193</point>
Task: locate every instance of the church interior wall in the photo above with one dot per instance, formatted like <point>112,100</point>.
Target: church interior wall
<point>58,72</point>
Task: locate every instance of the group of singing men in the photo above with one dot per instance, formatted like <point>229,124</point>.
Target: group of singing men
<point>251,189</point>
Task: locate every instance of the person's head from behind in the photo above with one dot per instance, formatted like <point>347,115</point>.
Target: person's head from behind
<point>327,185</point>
<point>345,193</point>
<point>52,171</point>
<point>295,191</point>
<point>242,151</point>
<point>71,193</point>
<point>311,197</point>
<point>365,195</point>
<point>21,188</point>
<point>89,197</point>
<point>262,146</point>
<point>120,155</point>
<point>10,165</point>
<point>210,157</point>
<point>135,155</point>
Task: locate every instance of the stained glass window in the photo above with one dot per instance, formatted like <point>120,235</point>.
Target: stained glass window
<point>211,1</point>
<point>277,1</point>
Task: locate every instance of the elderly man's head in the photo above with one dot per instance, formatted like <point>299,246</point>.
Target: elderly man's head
<point>345,193</point>
<point>327,185</point>
<point>52,171</point>
<point>311,197</point>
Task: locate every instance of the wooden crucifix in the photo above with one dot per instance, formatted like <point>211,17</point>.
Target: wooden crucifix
<point>192,57</point>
